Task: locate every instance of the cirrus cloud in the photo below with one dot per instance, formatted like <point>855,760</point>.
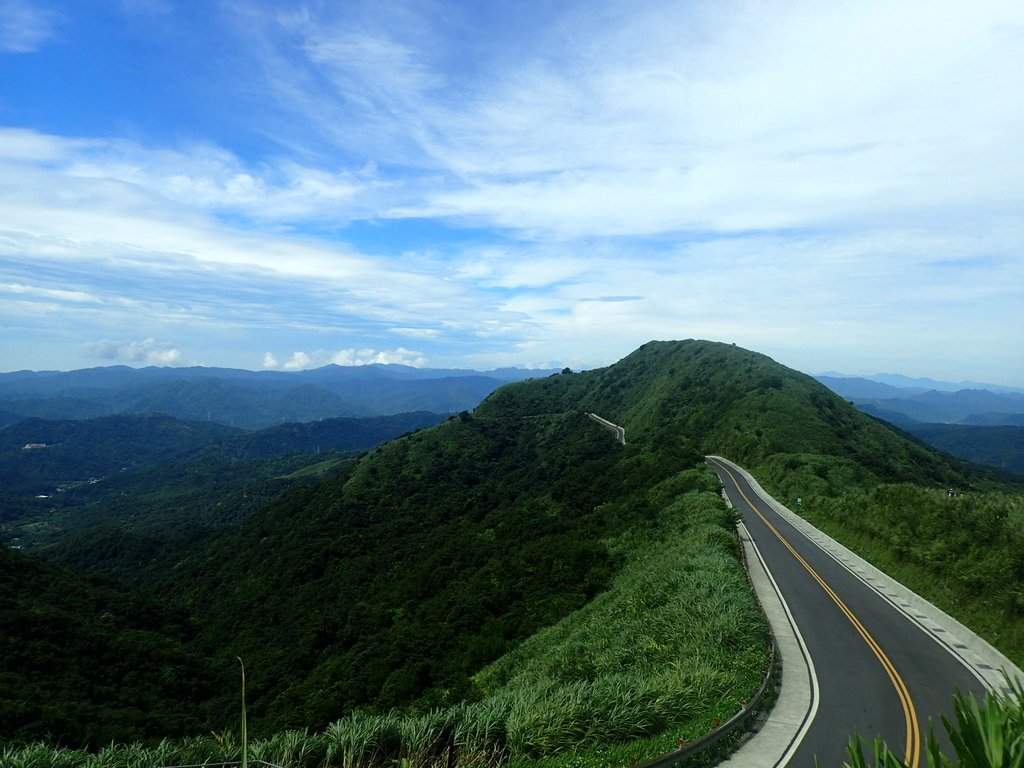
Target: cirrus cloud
<point>24,26</point>
<point>832,184</point>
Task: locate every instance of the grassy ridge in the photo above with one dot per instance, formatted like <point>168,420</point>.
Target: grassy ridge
<point>676,643</point>
<point>860,479</point>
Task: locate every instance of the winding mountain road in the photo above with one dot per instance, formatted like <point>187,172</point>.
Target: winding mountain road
<point>868,656</point>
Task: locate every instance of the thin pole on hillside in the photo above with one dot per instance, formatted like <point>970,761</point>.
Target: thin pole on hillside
<point>245,735</point>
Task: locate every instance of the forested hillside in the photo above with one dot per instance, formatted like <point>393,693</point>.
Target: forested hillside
<point>36,455</point>
<point>433,556</point>
<point>397,582</point>
<point>999,446</point>
<point>86,662</point>
<point>142,477</point>
<point>443,549</point>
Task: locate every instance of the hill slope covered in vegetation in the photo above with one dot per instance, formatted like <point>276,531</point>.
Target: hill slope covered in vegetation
<point>441,550</point>
<point>83,661</point>
<point>401,582</point>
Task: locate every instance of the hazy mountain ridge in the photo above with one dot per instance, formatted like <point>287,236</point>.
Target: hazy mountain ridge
<point>995,446</point>
<point>247,399</point>
<point>930,405</point>
<point>918,384</point>
<point>981,425</point>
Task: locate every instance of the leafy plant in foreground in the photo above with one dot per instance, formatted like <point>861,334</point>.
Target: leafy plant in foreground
<point>989,734</point>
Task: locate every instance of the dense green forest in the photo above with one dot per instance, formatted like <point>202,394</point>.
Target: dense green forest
<point>997,446</point>
<point>438,572</point>
<point>37,455</point>
<point>439,552</point>
<point>71,489</point>
<point>84,661</point>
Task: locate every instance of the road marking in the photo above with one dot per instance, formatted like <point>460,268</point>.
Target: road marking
<point>812,676</point>
<point>913,740</point>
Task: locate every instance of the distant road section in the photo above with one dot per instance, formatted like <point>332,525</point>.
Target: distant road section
<point>620,432</point>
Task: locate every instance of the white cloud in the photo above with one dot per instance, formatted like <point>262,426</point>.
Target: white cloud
<point>417,333</point>
<point>24,27</point>
<point>147,351</point>
<point>400,356</point>
<point>300,361</point>
<point>359,73</point>
<point>106,201</point>
<point>760,116</point>
<point>207,178</point>
<point>28,146</point>
<point>664,117</point>
<point>49,293</point>
<point>785,175</point>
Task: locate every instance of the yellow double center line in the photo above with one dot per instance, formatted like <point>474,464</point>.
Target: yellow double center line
<point>913,743</point>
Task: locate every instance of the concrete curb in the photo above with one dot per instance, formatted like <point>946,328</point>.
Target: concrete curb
<point>796,702</point>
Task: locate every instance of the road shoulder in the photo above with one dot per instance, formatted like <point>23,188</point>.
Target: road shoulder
<point>796,703</point>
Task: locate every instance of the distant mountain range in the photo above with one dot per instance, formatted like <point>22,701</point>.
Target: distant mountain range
<point>983,423</point>
<point>897,404</point>
<point>247,399</point>
<point>255,400</point>
<point>899,381</point>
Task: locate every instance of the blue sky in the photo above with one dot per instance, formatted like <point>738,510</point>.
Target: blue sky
<point>255,184</point>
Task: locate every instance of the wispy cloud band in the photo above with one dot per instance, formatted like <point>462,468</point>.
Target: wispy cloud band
<point>821,181</point>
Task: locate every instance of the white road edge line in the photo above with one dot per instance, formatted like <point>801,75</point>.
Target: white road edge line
<point>794,693</point>
<point>812,675</point>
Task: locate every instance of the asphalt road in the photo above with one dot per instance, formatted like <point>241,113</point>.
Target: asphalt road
<point>878,672</point>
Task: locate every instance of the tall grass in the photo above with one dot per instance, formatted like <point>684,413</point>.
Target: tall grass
<point>675,644</point>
